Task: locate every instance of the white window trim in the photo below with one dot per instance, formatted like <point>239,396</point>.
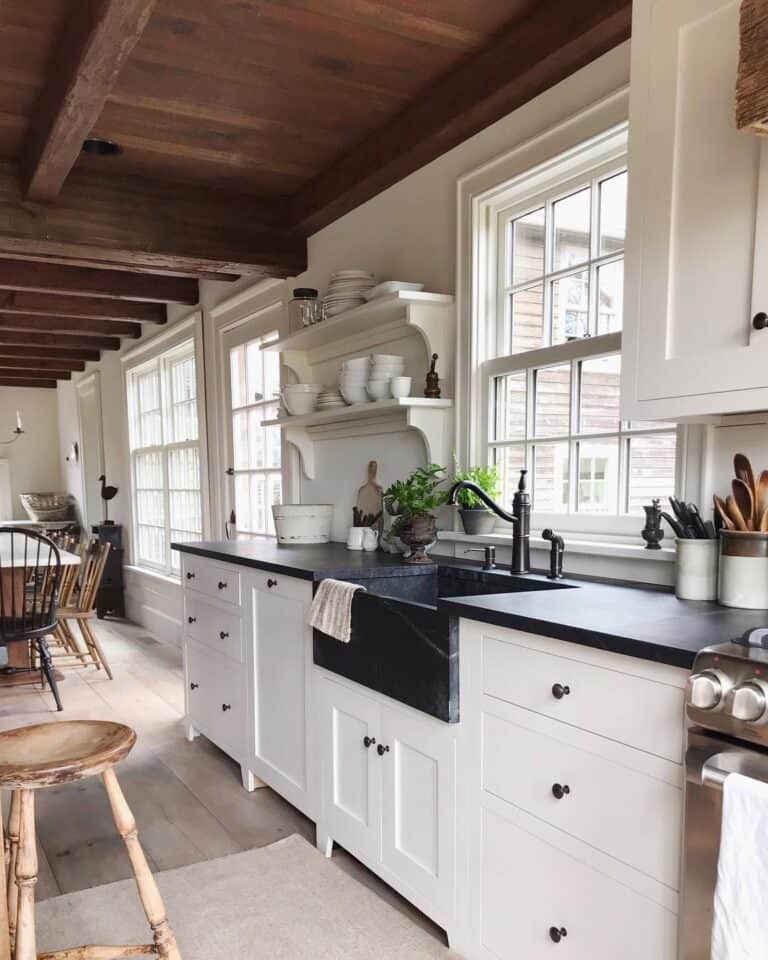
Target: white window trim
<point>189,328</point>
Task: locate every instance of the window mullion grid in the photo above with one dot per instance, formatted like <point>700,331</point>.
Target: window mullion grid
<point>549,262</point>
<point>574,416</point>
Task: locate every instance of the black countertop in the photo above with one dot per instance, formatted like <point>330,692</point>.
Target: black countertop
<point>646,622</point>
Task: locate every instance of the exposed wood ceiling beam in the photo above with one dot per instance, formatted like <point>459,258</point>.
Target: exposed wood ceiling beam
<point>151,226</point>
<point>100,36</point>
<point>532,54</point>
<point>39,363</point>
<point>55,341</point>
<point>38,384</point>
<point>48,353</point>
<point>52,305</point>
<point>14,374</point>
<point>114,328</point>
<point>37,277</point>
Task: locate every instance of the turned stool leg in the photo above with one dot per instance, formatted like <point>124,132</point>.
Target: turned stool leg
<point>165,941</point>
<point>14,818</point>
<point>26,878</point>
<point>5,942</point>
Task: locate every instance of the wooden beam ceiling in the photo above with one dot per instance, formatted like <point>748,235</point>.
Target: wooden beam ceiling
<point>53,305</point>
<point>39,363</point>
<point>44,352</point>
<point>14,374</point>
<point>54,341</point>
<point>36,384</point>
<point>99,38</point>
<point>555,39</point>
<point>113,328</point>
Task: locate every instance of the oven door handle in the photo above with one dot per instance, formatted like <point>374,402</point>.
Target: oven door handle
<point>712,767</point>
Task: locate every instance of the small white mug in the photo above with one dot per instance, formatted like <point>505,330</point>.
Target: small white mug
<point>355,538</point>
<point>401,386</point>
<point>370,538</point>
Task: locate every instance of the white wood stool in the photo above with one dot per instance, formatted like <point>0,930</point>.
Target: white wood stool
<point>48,755</point>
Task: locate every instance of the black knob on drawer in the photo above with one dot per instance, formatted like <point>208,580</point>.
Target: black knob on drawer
<point>369,742</point>
<point>190,575</point>
<point>559,691</point>
<point>225,707</point>
<point>271,583</point>
<point>381,749</point>
<point>223,635</point>
<point>560,790</point>
<point>222,585</point>
<point>760,321</point>
<point>194,686</point>
<point>556,934</point>
<point>191,619</point>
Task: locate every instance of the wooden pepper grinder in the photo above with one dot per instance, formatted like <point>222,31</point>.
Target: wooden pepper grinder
<point>432,386</point>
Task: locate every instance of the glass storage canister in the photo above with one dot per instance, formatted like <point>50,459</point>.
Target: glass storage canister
<point>304,309</point>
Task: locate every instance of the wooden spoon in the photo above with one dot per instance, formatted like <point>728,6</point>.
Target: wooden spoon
<point>763,525</point>
<point>744,496</point>
<point>735,514</point>
<point>722,510</point>
<point>761,493</point>
<point>743,470</point>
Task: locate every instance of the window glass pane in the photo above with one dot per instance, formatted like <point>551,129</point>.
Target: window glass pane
<point>527,319</point>
<point>271,375</point>
<point>552,400</point>
<point>508,422</point>
<point>613,213</point>
<point>510,461</point>
<point>183,400</point>
<point>550,477</point>
<point>600,389</point>
<point>571,226</point>
<point>610,297</point>
<point>528,247</point>
<point>240,440</point>
<point>598,477</point>
<point>256,437</point>
<point>255,371</point>
<point>238,383</point>
<point>651,469</point>
<point>570,307</point>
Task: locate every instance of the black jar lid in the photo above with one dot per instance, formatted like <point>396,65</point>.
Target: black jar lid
<point>304,293</point>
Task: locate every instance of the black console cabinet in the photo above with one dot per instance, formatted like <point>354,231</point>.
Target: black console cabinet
<point>110,597</point>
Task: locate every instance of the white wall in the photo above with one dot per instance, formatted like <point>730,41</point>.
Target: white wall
<point>34,462</point>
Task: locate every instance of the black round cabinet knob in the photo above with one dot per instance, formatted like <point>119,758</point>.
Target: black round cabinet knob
<point>191,619</point>
<point>369,742</point>
<point>381,750</point>
<point>556,934</point>
<point>194,686</point>
<point>760,321</point>
<point>222,585</point>
<point>225,707</point>
<point>559,691</point>
<point>560,790</point>
<point>190,575</point>
<point>271,583</point>
<point>223,635</point>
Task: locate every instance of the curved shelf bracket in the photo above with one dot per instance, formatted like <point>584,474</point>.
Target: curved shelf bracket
<point>299,438</point>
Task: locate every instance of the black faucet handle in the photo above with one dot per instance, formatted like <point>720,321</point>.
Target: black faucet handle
<point>555,553</point>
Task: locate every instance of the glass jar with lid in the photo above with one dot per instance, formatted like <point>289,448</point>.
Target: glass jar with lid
<point>304,309</point>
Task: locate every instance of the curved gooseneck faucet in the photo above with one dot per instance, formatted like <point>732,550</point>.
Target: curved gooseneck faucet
<point>453,495</point>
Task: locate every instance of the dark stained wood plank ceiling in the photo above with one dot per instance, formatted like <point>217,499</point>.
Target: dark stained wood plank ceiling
<point>242,127</point>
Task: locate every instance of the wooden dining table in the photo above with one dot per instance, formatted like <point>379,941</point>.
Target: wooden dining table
<point>12,579</point>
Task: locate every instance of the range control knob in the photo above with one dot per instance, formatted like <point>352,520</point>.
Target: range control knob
<point>706,690</point>
<point>749,701</point>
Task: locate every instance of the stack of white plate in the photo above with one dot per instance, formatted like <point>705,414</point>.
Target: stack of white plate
<point>347,289</point>
<point>330,398</point>
<point>383,368</point>
<point>353,378</point>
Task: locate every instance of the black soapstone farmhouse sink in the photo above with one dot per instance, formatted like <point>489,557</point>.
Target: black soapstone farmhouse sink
<point>401,645</point>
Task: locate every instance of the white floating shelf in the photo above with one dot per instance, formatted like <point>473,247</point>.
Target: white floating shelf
<point>430,418</point>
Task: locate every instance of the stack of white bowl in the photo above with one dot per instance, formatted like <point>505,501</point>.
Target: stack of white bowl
<point>384,367</point>
<point>301,398</point>
<point>347,289</point>
<point>353,378</point>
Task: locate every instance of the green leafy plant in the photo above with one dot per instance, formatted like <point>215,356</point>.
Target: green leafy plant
<point>416,496</point>
<point>487,478</point>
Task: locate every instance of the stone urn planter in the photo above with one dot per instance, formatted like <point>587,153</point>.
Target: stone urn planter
<point>477,520</point>
<point>420,533</point>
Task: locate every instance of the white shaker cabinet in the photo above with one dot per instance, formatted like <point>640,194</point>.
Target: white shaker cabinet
<point>697,233</point>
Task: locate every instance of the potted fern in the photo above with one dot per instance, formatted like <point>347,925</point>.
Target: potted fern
<point>412,503</point>
<point>475,516</point>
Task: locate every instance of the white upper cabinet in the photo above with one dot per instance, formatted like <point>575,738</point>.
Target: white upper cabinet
<point>697,243</point>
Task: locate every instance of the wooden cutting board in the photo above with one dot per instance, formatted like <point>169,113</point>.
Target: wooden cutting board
<point>370,502</point>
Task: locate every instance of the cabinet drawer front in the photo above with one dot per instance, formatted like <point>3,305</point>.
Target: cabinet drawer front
<point>277,584</point>
<point>530,887</point>
<point>216,701</point>
<point>626,814</point>
<point>213,627</point>
<point>629,709</point>
<point>213,579</point>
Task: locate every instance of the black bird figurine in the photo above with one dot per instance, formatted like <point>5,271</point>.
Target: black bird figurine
<point>107,494</point>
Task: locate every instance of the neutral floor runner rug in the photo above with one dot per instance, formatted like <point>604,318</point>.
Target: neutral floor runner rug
<point>282,902</point>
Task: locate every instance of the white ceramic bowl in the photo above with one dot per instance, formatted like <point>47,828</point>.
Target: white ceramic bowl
<point>386,373</point>
<point>378,389</point>
<point>354,377</point>
<point>357,363</point>
<point>401,386</point>
<point>303,522</point>
<point>354,394</point>
<point>298,404</point>
<point>387,358</point>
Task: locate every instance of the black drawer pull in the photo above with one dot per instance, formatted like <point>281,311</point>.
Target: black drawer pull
<point>560,790</point>
<point>271,583</point>
<point>556,934</point>
<point>225,707</point>
<point>190,575</point>
<point>559,691</point>
<point>191,619</point>
<point>194,686</point>
<point>381,749</point>
<point>222,585</point>
<point>368,742</point>
<point>223,635</point>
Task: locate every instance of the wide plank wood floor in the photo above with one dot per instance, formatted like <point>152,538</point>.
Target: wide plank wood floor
<point>187,797</point>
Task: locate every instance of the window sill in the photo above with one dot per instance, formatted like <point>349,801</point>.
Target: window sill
<point>154,574</point>
<point>594,548</point>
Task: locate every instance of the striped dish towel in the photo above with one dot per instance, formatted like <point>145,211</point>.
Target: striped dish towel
<point>331,610</point>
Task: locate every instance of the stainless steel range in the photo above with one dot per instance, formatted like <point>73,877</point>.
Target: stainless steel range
<point>727,703</point>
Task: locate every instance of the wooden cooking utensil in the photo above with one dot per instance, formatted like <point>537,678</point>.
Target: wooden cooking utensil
<point>763,525</point>
<point>744,496</point>
<point>722,510</point>
<point>742,467</point>
<point>761,493</point>
<point>735,514</point>
<point>370,502</point>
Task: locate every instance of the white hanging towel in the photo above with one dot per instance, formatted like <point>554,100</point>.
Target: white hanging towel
<point>740,929</point>
<point>331,610</point>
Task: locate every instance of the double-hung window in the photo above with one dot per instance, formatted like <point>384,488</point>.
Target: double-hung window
<point>551,263</point>
<point>165,456</point>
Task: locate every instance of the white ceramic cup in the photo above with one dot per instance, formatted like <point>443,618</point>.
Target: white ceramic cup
<point>696,573</point>
<point>370,538</point>
<point>355,538</point>
<point>401,386</point>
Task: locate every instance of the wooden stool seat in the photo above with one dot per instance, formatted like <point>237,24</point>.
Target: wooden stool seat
<point>47,754</point>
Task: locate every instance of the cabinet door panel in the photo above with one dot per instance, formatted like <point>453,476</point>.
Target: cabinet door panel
<point>418,804</point>
<point>216,701</point>
<point>350,770</point>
